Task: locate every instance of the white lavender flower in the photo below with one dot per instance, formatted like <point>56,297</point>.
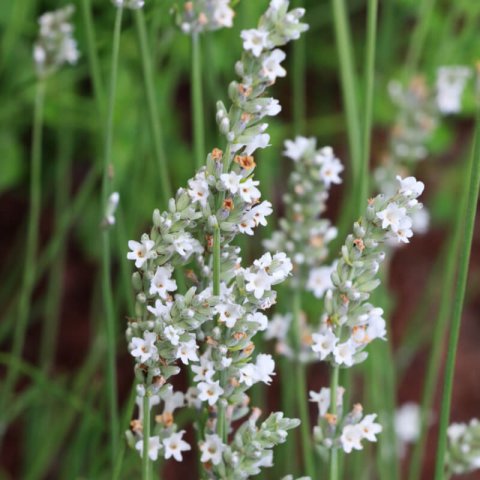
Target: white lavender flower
<point>205,15</point>
<point>450,84</point>
<point>463,454</point>
<point>55,44</point>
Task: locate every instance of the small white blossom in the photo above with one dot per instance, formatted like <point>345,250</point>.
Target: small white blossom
<point>330,166</point>
<point>265,367</point>
<point>271,67</point>
<point>144,348</point>
<point>231,181</point>
<point>262,140</point>
<point>407,422</point>
<point>153,447</point>
<point>187,351</point>
<point>369,428</point>
<point>319,280</point>
<point>141,252</point>
<point>172,334</point>
<point>351,438</point>
<point>410,186</point>
<point>257,282</point>
<point>255,40</point>
<point>249,191</point>
<point>259,318</point>
<point>162,283</point>
<point>324,343</point>
<point>212,449</point>
<point>160,310</point>
<point>296,149</point>
<point>174,446</point>
<point>198,190</point>
<point>392,216</point>
<point>344,352</point>
<point>229,313</point>
<point>209,392</point>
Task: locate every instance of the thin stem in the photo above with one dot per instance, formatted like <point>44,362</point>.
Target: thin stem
<point>468,216</point>
<point>417,39</point>
<point>301,389</point>
<point>368,107</point>
<point>435,359</point>
<point>93,56</point>
<point>349,83</point>
<point>333,473</point>
<point>197,102</point>
<point>148,76</point>
<point>221,417</point>
<point>30,265</point>
<point>106,251</point>
<point>298,83</point>
<point>146,438</point>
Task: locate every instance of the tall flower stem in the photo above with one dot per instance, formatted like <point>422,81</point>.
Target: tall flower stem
<point>435,359</point>
<point>349,84</point>
<point>350,101</point>
<point>417,39</point>
<point>333,472</point>
<point>30,265</point>
<point>468,216</point>
<point>368,104</point>
<point>92,55</point>
<point>146,438</point>
<point>106,250</point>
<point>197,102</point>
<point>298,83</point>
<point>301,389</point>
<point>152,106</point>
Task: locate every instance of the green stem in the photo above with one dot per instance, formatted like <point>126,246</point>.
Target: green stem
<point>417,39</point>
<point>221,417</point>
<point>152,105</point>
<point>30,265</point>
<point>146,438</point>
<point>468,216</point>
<point>435,359</point>
<point>298,83</point>
<point>367,121</point>
<point>197,102</point>
<point>333,472</point>
<point>349,83</point>
<point>92,55</point>
<point>301,389</point>
<point>106,250</point>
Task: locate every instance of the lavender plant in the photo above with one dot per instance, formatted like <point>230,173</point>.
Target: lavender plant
<point>304,235</point>
<point>463,454</point>
<point>350,322</point>
<point>209,327</point>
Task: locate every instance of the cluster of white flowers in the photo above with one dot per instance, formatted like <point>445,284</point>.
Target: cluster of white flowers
<point>350,431</point>
<point>350,323</point>
<point>55,44</point>
<point>303,234</point>
<point>131,4</point>
<point>463,455</point>
<point>209,327</point>
<point>205,15</point>
<point>450,84</point>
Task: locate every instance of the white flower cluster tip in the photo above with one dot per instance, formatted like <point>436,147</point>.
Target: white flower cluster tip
<point>55,44</point>
<point>450,84</point>
<point>205,15</point>
<point>347,433</point>
<point>131,4</point>
<point>463,455</point>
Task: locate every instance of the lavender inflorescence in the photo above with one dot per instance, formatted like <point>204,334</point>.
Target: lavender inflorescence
<point>210,326</point>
